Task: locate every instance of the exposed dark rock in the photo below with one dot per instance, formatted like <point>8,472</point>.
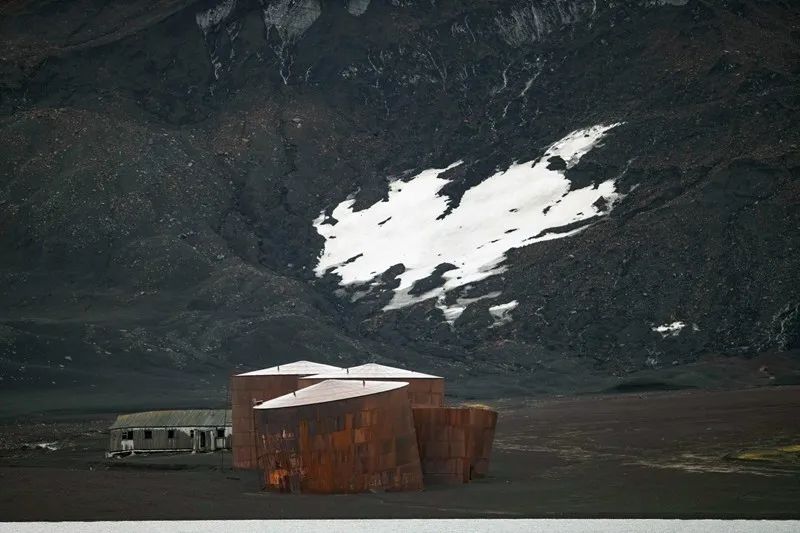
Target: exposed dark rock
<point>163,163</point>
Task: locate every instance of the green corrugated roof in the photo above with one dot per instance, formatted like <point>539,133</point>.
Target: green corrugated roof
<point>175,418</point>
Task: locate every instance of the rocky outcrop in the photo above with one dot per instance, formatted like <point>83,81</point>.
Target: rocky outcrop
<point>357,7</point>
<point>289,20</point>
<point>529,22</point>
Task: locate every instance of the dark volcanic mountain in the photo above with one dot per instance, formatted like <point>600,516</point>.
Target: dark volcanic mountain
<point>190,187</point>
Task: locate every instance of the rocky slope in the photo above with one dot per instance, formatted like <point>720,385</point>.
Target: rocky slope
<point>173,172</point>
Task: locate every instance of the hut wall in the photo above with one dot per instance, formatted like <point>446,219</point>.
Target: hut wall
<point>455,443</point>
<point>185,439</point>
<point>246,391</point>
<point>422,392</point>
<point>345,446</point>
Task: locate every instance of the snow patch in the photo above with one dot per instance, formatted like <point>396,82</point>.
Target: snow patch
<point>670,330</point>
<point>660,3</point>
<point>49,446</point>
<point>527,88</point>
<point>453,311</point>
<point>526,203</point>
<point>501,313</point>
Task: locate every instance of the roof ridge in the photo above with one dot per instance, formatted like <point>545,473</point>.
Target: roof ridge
<point>298,368</point>
<point>331,390</point>
<point>373,370</point>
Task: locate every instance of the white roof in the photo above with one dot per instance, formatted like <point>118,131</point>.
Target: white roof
<point>331,390</point>
<point>298,368</point>
<point>372,371</point>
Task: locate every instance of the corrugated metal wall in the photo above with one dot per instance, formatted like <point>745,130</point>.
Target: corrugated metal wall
<point>422,392</point>
<point>455,443</point>
<point>353,445</point>
<point>245,391</point>
<point>185,438</point>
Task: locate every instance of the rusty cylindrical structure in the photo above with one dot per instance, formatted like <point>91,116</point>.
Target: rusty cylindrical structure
<point>455,443</point>
<point>255,387</point>
<point>339,436</point>
<point>424,390</point>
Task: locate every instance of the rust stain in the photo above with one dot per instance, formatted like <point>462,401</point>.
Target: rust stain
<point>455,443</point>
<point>245,392</point>
<point>352,445</point>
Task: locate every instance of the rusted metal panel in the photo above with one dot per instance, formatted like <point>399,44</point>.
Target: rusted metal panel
<point>250,388</point>
<point>246,391</point>
<point>344,446</point>
<point>455,443</point>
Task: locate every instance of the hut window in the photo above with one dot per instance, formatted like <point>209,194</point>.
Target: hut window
<point>191,433</point>
<point>220,433</point>
<point>170,433</point>
<point>127,435</point>
<point>148,433</point>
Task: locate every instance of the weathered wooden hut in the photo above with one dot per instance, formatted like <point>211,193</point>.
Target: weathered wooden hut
<point>189,430</point>
<point>250,388</point>
<point>455,443</point>
<point>424,390</point>
<point>339,436</point>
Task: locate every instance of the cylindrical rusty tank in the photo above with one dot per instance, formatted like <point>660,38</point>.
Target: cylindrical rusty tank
<point>424,390</point>
<point>339,436</point>
<point>255,387</point>
<point>455,443</point>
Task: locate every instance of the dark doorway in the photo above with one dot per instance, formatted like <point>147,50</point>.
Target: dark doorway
<point>202,440</point>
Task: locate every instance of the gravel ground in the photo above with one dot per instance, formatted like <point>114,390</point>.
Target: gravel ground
<point>664,454</point>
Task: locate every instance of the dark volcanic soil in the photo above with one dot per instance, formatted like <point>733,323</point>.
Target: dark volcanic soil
<point>655,454</point>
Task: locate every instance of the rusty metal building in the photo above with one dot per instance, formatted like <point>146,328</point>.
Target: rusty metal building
<point>339,436</point>
<point>424,390</point>
<point>189,430</point>
<point>455,443</point>
<point>251,388</point>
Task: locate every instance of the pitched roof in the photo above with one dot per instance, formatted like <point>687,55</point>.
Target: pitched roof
<point>329,391</point>
<point>175,418</point>
<point>298,368</point>
<point>372,371</point>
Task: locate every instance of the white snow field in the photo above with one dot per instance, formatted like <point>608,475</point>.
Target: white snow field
<point>512,208</point>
